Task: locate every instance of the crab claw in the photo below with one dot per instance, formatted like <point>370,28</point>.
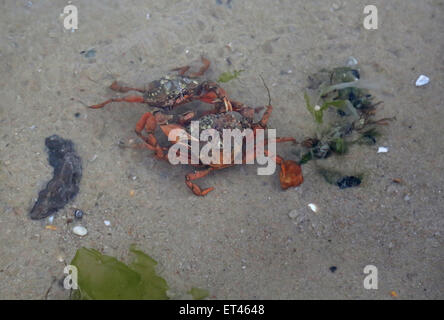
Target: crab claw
<point>178,133</point>
<point>290,175</point>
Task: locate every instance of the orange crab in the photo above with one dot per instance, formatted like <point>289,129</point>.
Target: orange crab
<point>290,174</point>
<point>172,91</point>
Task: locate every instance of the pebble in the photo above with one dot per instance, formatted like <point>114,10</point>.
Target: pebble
<point>313,207</point>
<point>422,80</point>
<point>407,197</point>
<point>78,214</point>
<point>80,231</point>
<point>90,53</point>
<point>293,214</point>
<point>351,61</point>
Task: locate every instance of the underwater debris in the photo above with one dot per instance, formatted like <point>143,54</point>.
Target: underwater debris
<point>64,185</point>
<point>341,89</point>
<point>80,231</point>
<point>422,81</point>
<point>228,76</point>
<point>88,53</point>
<point>339,179</point>
<point>103,277</point>
<point>78,214</point>
<point>198,294</point>
<point>348,182</point>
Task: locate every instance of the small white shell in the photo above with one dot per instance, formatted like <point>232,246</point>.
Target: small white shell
<point>313,207</point>
<point>422,80</point>
<point>80,231</point>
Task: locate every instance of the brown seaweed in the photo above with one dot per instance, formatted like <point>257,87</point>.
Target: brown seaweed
<point>64,185</point>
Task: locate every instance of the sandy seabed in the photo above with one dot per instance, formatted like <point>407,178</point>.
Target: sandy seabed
<point>238,242</point>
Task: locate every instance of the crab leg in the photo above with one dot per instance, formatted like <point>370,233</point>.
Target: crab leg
<point>148,122</point>
<point>291,173</point>
<point>117,87</point>
<point>138,99</point>
<point>263,122</point>
<point>197,175</point>
<point>202,70</point>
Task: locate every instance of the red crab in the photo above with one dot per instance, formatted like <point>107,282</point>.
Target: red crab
<point>290,174</point>
<point>172,91</point>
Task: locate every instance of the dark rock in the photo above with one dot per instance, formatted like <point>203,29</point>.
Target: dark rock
<point>348,182</point>
<point>64,185</point>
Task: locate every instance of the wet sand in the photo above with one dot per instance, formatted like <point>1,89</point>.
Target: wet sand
<point>239,241</point>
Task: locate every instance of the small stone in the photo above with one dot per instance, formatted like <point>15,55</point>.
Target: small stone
<point>313,207</point>
<point>407,197</point>
<point>90,53</point>
<point>80,231</point>
<point>78,214</point>
<point>351,62</point>
<point>293,214</point>
<point>422,80</point>
<point>333,269</point>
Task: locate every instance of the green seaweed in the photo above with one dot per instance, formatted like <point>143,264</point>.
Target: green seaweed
<point>104,277</point>
<point>334,177</point>
<point>198,294</point>
<point>369,137</point>
<point>306,157</point>
<point>318,111</point>
<point>339,146</point>
<point>228,76</point>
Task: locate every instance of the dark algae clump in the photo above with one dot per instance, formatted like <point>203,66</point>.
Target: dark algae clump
<point>343,91</point>
<point>64,185</point>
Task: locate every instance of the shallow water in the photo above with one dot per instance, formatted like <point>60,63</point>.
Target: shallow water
<point>239,241</point>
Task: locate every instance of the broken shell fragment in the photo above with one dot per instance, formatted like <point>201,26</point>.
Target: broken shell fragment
<point>422,80</point>
<point>80,231</point>
<point>313,207</point>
